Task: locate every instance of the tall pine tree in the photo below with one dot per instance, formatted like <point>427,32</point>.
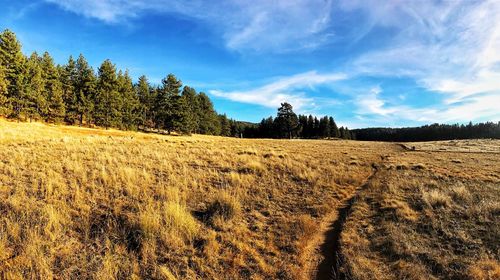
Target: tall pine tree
<point>107,111</point>
<point>52,89</point>
<point>225,125</point>
<point>68,74</point>
<point>334,130</point>
<point>13,62</point>
<point>3,92</point>
<point>287,121</point>
<point>36,106</point>
<point>208,118</point>
<point>169,105</point>
<point>146,101</point>
<point>191,110</point>
<point>130,109</point>
<point>85,90</point>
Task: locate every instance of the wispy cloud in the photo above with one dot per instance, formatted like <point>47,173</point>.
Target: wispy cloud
<point>260,25</point>
<point>290,89</point>
<point>373,107</point>
<point>449,47</point>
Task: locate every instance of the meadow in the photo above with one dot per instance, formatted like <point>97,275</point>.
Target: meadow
<point>80,203</point>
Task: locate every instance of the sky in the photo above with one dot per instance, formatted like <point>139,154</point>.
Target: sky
<point>368,63</point>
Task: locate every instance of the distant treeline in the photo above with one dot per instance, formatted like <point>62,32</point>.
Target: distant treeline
<point>432,132</point>
<point>34,88</point>
<point>288,125</point>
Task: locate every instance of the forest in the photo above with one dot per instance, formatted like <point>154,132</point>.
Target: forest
<point>34,88</point>
<point>432,132</point>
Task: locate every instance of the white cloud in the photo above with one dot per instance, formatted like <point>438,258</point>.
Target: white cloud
<point>448,47</point>
<point>478,107</point>
<point>258,25</point>
<point>371,103</point>
<point>287,89</point>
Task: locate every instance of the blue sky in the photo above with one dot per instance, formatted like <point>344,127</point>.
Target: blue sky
<point>366,62</point>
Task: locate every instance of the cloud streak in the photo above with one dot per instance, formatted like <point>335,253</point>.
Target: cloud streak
<point>289,89</point>
<point>450,48</point>
<point>260,25</point>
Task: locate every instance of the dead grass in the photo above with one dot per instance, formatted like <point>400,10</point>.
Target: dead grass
<point>427,223</point>
<point>78,203</point>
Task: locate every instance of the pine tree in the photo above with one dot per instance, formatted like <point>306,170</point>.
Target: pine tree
<point>225,125</point>
<point>316,127</point>
<point>35,105</point>
<point>107,111</point>
<point>69,75</point>
<point>324,127</point>
<point>347,134</point>
<point>342,132</point>
<point>130,109</point>
<point>310,126</point>
<point>170,106</point>
<point>85,90</point>
<point>287,120</point>
<point>3,92</point>
<point>145,95</point>
<point>334,130</point>
<point>192,107</point>
<point>13,62</point>
<point>52,89</point>
<point>303,126</point>
<point>208,119</point>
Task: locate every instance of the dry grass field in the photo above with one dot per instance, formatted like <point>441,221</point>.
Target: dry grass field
<point>432,213</point>
<point>79,203</point>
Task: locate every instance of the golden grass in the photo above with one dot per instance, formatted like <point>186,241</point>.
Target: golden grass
<point>427,223</point>
<point>79,203</point>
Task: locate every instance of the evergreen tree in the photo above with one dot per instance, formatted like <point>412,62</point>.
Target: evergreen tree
<point>208,119</point>
<point>225,125</point>
<point>52,89</point>
<point>316,128</point>
<point>347,133</point>
<point>303,126</point>
<point>334,130</point>
<point>3,92</point>
<point>131,114</point>
<point>13,62</point>
<point>287,121</point>
<point>324,127</point>
<point>84,90</point>
<point>192,108</point>
<point>342,132</point>
<point>107,111</point>
<point>310,126</point>
<point>267,128</point>
<point>145,95</point>
<point>69,75</point>
<point>171,107</point>
<point>35,105</point>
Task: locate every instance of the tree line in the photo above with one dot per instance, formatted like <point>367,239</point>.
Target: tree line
<point>35,88</point>
<point>287,124</point>
<point>432,132</point>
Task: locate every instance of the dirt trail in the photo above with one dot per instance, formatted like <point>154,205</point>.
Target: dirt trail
<point>325,259</point>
